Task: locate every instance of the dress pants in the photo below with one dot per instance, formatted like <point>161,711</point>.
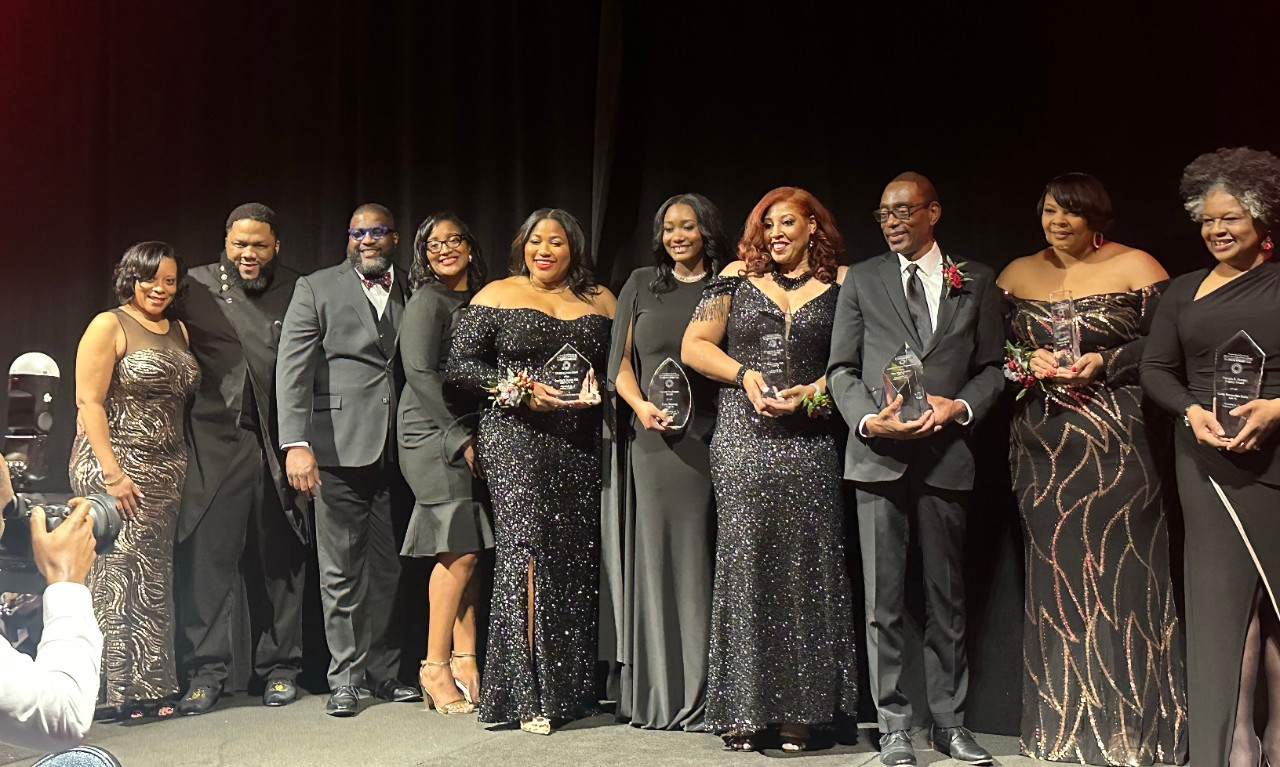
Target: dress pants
<point>359,572</point>
<point>887,511</point>
<point>243,534</point>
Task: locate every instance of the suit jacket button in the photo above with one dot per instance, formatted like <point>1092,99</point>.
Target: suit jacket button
<point>384,400</point>
<point>226,287</point>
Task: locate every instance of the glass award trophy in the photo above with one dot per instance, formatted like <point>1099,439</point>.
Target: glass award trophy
<point>775,353</point>
<point>1066,332</point>
<point>905,375</point>
<point>669,390</point>
<point>1237,380</point>
<point>571,373</point>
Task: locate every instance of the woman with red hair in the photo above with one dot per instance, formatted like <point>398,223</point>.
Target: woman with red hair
<point>782,652</point>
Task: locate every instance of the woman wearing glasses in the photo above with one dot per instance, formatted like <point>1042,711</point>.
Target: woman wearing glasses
<point>539,447</point>
<point>1102,656</point>
<point>437,456</point>
<point>663,505</point>
<point>1228,467</point>
<point>134,374</point>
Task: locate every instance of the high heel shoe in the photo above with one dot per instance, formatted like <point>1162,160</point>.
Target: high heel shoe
<point>452,708</point>
<point>739,740</point>
<point>538,725</point>
<point>462,687</point>
<point>794,737</point>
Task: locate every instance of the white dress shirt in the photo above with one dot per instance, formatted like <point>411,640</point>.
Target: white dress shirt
<point>47,703</point>
<point>379,296</point>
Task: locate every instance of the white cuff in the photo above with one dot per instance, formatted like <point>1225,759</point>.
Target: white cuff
<point>968,414</point>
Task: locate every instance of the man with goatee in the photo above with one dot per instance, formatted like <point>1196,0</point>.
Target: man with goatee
<point>239,517</point>
<point>338,381</point>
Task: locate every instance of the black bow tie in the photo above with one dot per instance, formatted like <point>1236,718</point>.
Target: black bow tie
<point>383,279</point>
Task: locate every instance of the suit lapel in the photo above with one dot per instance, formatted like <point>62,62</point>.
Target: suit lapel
<point>892,277</point>
<point>948,303</point>
<point>352,293</point>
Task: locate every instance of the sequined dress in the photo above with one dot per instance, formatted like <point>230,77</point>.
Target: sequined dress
<point>132,587</point>
<point>782,644</point>
<point>1102,649</point>
<point>544,479</point>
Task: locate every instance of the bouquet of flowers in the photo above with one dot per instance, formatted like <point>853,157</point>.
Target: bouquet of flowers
<point>1017,367</point>
<point>512,391</point>
<point>816,405</point>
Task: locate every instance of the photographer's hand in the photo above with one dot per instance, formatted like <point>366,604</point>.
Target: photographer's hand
<point>67,553</point>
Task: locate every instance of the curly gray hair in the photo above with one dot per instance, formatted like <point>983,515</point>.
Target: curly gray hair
<point>1249,175</point>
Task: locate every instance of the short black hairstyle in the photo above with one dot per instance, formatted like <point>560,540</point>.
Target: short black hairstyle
<point>373,207</point>
<point>581,278</point>
<point>253,211</point>
<point>141,262</point>
<point>1251,176</point>
<point>1083,195</point>
<point>716,248</point>
<point>420,272</point>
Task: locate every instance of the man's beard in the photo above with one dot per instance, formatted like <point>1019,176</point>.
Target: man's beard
<point>368,271</point>
<point>266,272</point>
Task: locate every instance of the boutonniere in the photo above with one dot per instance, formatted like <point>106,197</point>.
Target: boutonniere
<point>954,276</point>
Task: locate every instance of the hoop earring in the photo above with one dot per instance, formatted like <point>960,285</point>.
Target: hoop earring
<point>1098,240</point>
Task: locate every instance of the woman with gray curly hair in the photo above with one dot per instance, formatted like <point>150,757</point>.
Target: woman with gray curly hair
<point>1228,465</point>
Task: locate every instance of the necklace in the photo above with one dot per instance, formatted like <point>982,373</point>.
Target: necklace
<point>560,289</point>
<point>791,283</point>
<point>691,278</point>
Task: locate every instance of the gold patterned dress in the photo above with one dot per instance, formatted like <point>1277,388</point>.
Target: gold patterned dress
<point>133,586</point>
<point>1102,649</point>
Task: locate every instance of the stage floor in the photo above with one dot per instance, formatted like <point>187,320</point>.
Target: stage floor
<point>239,732</point>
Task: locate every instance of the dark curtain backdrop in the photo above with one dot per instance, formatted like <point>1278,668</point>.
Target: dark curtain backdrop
<point>125,121</point>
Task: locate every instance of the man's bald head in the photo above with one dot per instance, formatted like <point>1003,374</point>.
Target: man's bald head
<point>923,184</point>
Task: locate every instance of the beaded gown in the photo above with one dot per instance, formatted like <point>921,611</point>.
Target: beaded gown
<point>132,586</point>
<point>782,643</point>
<point>544,479</point>
<point>1102,649</point>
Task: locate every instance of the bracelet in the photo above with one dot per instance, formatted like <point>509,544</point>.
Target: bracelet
<point>742,373</point>
<point>116,481</point>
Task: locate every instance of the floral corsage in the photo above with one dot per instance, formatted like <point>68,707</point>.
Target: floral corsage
<point>817,404</point>
<point>512,391</point>
<point>953,276</point>
<point>1017,368</point>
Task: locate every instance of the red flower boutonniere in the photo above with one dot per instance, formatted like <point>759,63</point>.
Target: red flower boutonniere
<point>953,276</point>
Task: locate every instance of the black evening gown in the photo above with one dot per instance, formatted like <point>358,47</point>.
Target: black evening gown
<point>544,479</point>
<point>782,644</point>
<point>133,585</point>
<point>1103,674</point>
<point>666,514</point>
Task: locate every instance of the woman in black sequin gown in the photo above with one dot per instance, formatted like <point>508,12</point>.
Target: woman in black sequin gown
<point>134,374</point>
<point>782,647</point>
<point>1102,651</point>
<point>542,461</point>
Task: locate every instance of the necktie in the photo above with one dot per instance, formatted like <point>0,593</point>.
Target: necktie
<point>383,279</point>
<point>918,306</point>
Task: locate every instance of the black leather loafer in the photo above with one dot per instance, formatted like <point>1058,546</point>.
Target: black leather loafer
<point>958,743</point>
<point>279,692</point>
<point>344,701</point>
<point>199,699</point>
<point>896,748</point>
<point>396,692</point>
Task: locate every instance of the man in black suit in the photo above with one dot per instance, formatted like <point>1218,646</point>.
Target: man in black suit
<point>338,381</point>
<point>237,506</point>
<point>915,473</point>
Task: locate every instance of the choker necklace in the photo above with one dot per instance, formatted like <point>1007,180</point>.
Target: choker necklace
<point>791,283</point>
<point>691,278</point>
<point>560,289</point>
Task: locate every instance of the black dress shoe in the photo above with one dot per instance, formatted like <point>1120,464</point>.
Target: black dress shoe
<point>199,699</point>
<point>958,743</point>
<point>396,692</point>
<point>896,748</point>
<point>279,692</point>
<point>344,701</point>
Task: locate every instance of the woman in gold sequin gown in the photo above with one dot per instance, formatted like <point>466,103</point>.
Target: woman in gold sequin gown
<point>1102,653</point>
<point>133,377</point>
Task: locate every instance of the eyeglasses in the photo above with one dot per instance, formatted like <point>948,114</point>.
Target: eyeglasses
<point>900,212</point>
<point>448,243</point>
<point>376,232</point>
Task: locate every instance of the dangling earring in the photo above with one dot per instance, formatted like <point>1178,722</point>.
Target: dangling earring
<point>811,244</point>
<point>1267,245</point>
<point>1098,240</point>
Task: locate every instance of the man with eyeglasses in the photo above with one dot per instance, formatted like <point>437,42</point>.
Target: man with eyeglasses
<point>339,378</point>
<point>237,506</point>
<point>918,472</point>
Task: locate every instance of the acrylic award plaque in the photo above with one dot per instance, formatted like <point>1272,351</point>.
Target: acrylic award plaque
<point>1237,380</point>
<point>775,353</point>
<point>669,390</point>
<point>571,373</point>
<point>905,375</point>
<point>1066,330</point>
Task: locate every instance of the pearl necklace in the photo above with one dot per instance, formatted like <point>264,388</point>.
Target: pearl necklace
<point>691,278</point>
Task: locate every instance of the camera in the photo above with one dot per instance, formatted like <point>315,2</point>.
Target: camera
<point>18,571</point>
